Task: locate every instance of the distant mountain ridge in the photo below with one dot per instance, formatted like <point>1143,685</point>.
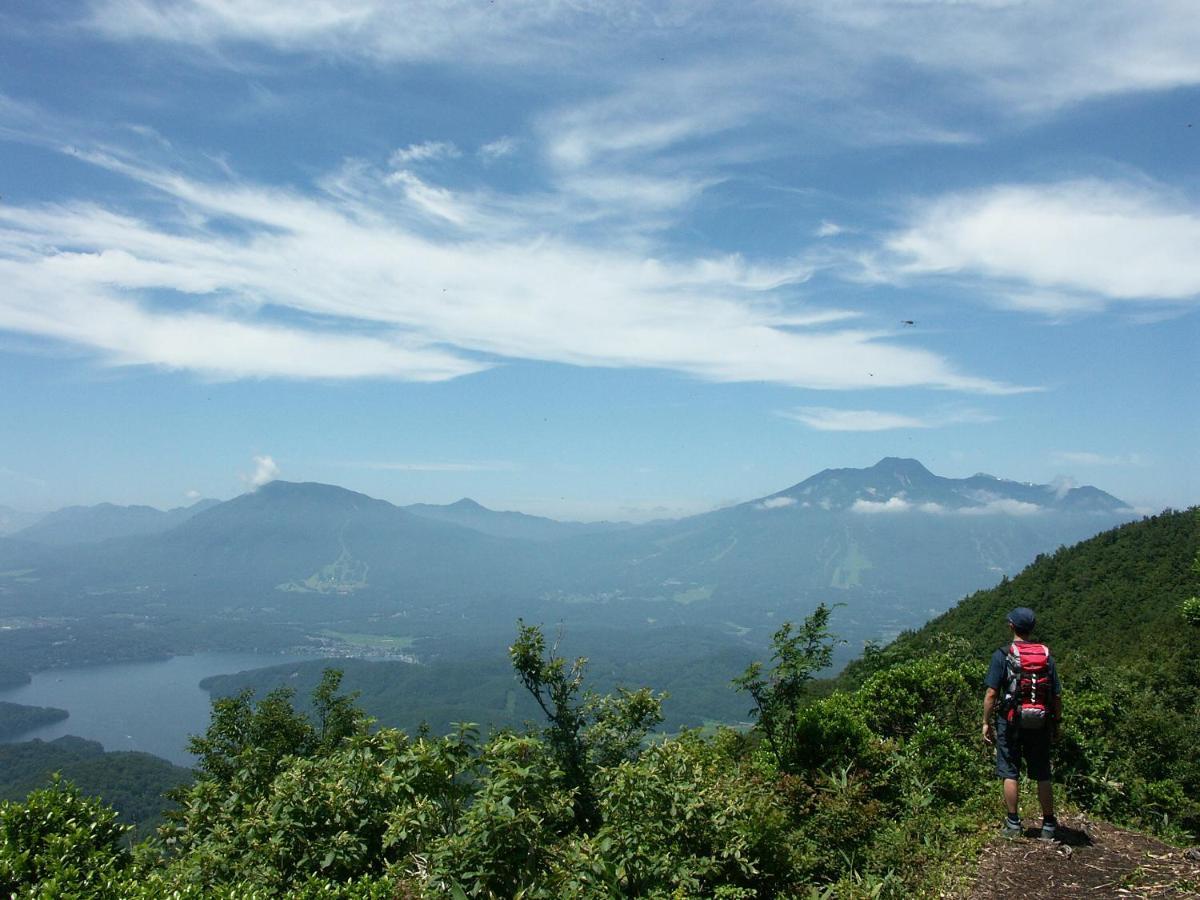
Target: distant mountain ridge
<point>86,524</point>
<point>509,524</point>
<point>908,484</point>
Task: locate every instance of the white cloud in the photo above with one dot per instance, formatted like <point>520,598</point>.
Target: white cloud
<point>899,504</point>
<point>265,471</point>
<point>1002,506</point>
<point>193,494</point>
<point>1087,458</point>
<point>775,503</point>
<point>829,229</point>
<point>889,506</point>
<point>1033,56</point>
<point>1041,56</point>
<point>375,30</point>
<point>824,418</point>
<point>378,275</point>
<point>1093,240</point>
<point>424,152</point>
<point>1061,485</point>
<point>498,149</point>
<point>1055,304</point>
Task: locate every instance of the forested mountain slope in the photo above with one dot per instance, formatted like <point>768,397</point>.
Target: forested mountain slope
<point>133,783</point>
<point>1116,596</point>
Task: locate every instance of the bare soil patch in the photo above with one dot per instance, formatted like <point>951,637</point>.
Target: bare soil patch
<point>1089,859</point>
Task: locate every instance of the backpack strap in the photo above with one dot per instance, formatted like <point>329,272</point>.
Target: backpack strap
<point>1012,677</point>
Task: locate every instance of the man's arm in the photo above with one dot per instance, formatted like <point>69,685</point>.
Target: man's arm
<point>989,706</point>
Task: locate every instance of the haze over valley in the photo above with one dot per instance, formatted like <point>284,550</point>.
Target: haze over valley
<point>314,570</point>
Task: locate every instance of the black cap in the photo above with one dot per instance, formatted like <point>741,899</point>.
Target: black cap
<point>1022,619</point>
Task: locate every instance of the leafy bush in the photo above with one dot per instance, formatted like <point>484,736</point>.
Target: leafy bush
<point>830,734</point>
<point>685,817</point>
<point>945,687</point>
<point>1190,609</point>
<point>506,840</point>
<point>60,844</point>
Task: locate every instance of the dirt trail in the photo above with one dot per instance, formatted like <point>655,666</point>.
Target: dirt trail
<point>1090,859</point>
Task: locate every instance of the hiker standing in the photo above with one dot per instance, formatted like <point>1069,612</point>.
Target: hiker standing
<point>1023,678</point>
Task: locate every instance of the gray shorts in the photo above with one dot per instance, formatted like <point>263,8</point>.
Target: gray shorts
<point>1014,744</point>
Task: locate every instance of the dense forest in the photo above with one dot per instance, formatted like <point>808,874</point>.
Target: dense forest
<point>134,784</point>
<point>477,684</point>
<point>875,785</point>
<point>17,718</point>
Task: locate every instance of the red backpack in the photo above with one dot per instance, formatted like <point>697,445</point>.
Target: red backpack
<point>1028,698</point>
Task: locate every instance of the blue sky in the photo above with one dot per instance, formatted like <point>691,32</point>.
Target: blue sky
<point>605,260</point>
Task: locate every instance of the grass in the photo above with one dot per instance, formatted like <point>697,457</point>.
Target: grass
<point>691,595</point>
<point>372,641</point>
<point>848,574</point>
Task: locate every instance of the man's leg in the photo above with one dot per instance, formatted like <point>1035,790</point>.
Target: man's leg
<point>1008,767</point>
<point>1046,798</point>
<point>1012,792</point>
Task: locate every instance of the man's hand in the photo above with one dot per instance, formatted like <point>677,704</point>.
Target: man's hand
<point>989,736</point>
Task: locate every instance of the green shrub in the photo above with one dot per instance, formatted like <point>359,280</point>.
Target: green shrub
<point>681,818</point>
<point>939,767</point>
<point>831,734</point>
<point>837,817</point>
<point>505,841</point>
<point>1190,608</point>
<point>60,844</point>
<point>946,687</point>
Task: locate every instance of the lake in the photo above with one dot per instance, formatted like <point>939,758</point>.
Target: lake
<point>149,706</point>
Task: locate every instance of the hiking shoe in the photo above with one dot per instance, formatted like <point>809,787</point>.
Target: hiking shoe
<point>1049,831</point>
<point>1010,829</point>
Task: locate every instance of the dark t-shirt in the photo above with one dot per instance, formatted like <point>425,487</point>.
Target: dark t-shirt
<point>997,671</point>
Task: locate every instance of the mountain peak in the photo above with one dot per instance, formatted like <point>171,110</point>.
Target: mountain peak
<point>305,491</point>
<point>466,503</point>
<point>897,484</point>
<point>900,465</point>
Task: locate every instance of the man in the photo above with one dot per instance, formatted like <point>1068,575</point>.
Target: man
<point>1014,743</point>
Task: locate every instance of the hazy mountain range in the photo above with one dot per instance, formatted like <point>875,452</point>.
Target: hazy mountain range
<point>894,541</point>
<point>84,524</point>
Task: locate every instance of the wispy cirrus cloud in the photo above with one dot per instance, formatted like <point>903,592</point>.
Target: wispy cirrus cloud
<point>426,151</point>
<point>1031,56</point>
<point>1058,248</point>
<point>371,273</point>
<point>824,418</point>
<point>498,149</point>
